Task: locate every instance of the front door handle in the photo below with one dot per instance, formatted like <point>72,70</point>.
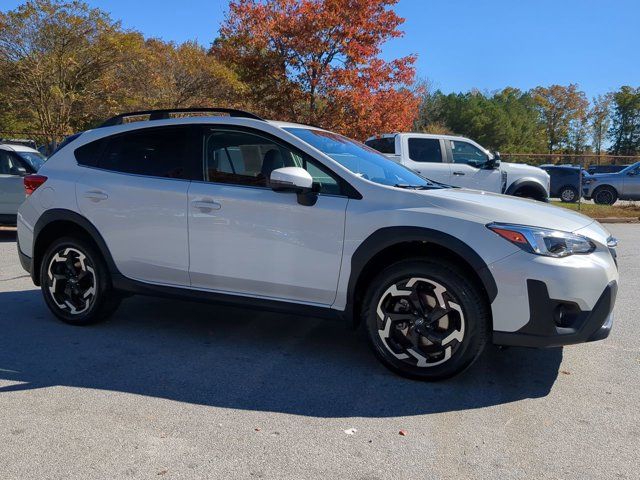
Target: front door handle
<point>96,195</point>
<point>206,205</point>
<point>459,173</point>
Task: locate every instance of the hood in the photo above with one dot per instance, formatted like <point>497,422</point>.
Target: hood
<point>604,175</point>
<point>492,207</point>
<point>522,168</point>
<point>596,232</point>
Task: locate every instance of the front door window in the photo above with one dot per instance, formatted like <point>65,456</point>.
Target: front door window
<point>465,152</point>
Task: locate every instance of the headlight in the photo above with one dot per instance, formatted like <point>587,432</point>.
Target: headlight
<point>542,241</point>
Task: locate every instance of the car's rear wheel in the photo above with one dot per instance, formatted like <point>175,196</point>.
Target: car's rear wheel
<point>605,195</point>
<point>425,319</point>
<point>569,194</point>
<point>75,282</point>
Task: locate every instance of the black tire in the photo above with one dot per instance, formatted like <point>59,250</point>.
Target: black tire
<point>568,194</point>
<point>75,282</point>
<point>403,346</point>
<point>529,194</point>
<point>605,195</point>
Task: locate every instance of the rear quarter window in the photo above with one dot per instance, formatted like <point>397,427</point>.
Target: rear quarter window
<point>89,154</point>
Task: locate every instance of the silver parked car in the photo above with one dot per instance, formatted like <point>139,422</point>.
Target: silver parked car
<point>16,161</point>
<point>607,188</point>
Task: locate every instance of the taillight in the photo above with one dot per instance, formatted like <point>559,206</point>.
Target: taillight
<point>32,182</point>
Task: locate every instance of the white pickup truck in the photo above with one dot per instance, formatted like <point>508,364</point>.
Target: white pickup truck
<point>461,162</point>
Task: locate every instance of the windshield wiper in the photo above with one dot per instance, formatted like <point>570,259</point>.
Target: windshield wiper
<point>415,187</point>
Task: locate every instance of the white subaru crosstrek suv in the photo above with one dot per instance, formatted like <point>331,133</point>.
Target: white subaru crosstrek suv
<point>292,218</point>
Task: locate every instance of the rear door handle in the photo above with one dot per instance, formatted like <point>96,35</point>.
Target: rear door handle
<point>458,173</point>
<point>96,195</point>
<point>206,205</point>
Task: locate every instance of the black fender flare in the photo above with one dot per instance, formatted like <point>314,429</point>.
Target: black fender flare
<point>60,214</point>
<point>529,183</point>
<point>571,185</point>
<point>390,236</point>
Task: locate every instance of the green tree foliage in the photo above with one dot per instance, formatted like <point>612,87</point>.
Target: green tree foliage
<point>64,66</point>
<point>600,117</point>
<point>625,124</point>
<point>505,120</point>
<point>578,135</point>
<point>157,74</point>
<point>560,106</point>
<point>50,55</point>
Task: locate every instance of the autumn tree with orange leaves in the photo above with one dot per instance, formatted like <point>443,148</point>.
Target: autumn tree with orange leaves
<point>317,62</point>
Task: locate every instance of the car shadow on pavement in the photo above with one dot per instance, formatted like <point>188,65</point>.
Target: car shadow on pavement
<point>244,359</point>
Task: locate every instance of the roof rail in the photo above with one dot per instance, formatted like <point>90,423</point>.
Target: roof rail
<point>165,114</point>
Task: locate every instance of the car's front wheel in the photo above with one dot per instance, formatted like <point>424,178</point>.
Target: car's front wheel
<point>75,282</point>
<point>425,320</point>
<point>605,195</point>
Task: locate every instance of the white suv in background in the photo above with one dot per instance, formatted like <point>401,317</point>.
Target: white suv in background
<point>461,162</point>
<point>16,161</point>
<point>293,218</point>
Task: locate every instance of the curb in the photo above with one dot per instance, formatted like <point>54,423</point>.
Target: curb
<point>618,220</point>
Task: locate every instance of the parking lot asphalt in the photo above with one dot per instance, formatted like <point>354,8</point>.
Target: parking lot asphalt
<point>170,389</point>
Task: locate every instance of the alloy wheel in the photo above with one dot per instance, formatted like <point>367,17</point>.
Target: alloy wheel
<point>420,322</point>
<point>71,281</point>
<point>604,197</point>
<point>568,195</point>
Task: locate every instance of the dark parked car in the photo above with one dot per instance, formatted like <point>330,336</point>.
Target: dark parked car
<point>565,181</point>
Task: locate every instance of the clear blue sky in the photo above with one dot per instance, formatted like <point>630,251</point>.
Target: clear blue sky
<point>461,44</point>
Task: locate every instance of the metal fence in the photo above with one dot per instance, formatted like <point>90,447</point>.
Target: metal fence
<point>583,160</point>
<point>586,161</point>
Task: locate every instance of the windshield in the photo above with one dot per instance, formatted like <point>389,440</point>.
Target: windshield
<point>360,159</point>
<point>34,159</point>
<point>630,168</point>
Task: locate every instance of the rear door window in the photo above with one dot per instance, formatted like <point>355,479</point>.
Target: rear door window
<point>425,150</point>
<point>385,145</point>
<point>7,163</point>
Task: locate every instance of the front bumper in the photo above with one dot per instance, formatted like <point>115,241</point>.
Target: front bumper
<point>587,191</point>
<point>554,323</point>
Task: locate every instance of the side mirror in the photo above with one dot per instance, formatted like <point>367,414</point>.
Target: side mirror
<point>492,164</point>
<point>19,171</point>
<point>296,180</point>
